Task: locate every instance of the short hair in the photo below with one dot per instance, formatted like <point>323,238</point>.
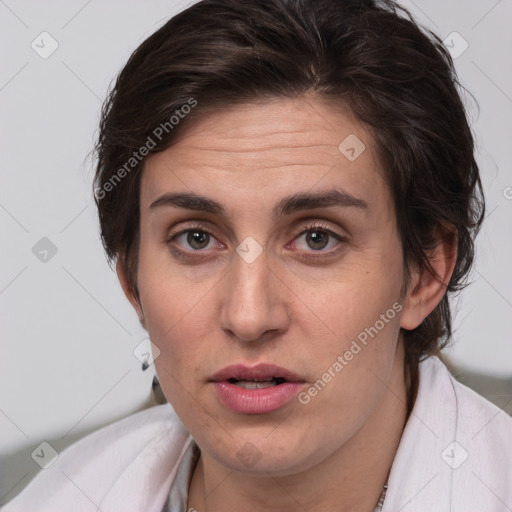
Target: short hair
<point>369,56</point>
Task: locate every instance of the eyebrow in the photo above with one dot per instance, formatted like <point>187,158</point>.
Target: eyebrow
<point>286,206</point>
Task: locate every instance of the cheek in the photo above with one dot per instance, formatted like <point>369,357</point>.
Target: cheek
<point>165,297</point>
<point>356,332</point>
<point>356,296</point>
<point>178,322</point>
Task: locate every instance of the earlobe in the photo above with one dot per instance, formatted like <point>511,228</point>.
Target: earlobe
<point>426,290</point>
<point>128,290</point>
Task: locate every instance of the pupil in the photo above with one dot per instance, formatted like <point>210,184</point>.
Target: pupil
<point>197,237</point>
<point>318,238</point>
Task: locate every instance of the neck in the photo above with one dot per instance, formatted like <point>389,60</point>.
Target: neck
<point>350,479</point>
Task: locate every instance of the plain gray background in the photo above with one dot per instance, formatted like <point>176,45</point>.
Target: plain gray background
<point>68,334</point>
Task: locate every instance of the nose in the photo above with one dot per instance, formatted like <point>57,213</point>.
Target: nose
<point>254,301</point>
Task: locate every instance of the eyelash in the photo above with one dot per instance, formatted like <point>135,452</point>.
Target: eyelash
<point>310,227</point>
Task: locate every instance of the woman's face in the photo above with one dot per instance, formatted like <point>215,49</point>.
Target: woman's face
<point>264,277</point>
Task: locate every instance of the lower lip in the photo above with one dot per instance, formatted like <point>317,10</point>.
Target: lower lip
<point>256,401</point>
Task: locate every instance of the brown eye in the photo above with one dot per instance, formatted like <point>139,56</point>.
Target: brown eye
<point>193,239</point>
<point>197,239</point>
<point>317,239</point>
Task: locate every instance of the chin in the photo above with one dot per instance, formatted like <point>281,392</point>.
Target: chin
<point>264,453</point>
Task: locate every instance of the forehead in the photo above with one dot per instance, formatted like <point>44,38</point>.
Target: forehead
<point>268,149</point>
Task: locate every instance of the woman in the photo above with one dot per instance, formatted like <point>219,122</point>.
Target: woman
<point>290,194</point>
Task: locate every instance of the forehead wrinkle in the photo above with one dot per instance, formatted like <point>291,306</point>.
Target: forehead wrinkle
<point>200,135</point>
<point>231,149</point>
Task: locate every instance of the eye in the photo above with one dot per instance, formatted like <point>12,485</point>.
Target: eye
<point>195,237</point>
<point>318,237</point>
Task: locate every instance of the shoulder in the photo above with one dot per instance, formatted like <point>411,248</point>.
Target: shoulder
<point>475,415</point>
<point>131,457</point>
<point>484,432</point>
<point>455,452</point>
<point>481,428</point>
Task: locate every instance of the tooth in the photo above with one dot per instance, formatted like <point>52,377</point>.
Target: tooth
<point>249,384</point>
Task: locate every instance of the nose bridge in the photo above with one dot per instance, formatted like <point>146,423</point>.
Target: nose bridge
<point>252,304</point>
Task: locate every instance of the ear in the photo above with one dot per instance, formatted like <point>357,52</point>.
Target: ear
<point>128,290</point>
<point>426,290</point>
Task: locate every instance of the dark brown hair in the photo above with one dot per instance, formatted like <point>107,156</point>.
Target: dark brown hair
<point>369,56</point>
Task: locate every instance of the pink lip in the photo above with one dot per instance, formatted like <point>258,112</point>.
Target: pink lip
<point>255,401</point>
<point>261,371</point>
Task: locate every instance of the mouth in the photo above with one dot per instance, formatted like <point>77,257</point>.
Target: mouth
<point>259,389</point>
<point>257,384</point>
<point>256,377</point>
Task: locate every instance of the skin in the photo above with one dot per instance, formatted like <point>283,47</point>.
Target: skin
<point>215,309</point>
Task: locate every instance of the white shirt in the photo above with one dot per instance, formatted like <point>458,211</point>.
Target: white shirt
<point>455,455</point>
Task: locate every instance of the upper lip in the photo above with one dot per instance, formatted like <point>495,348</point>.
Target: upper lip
<point>259,372</point>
